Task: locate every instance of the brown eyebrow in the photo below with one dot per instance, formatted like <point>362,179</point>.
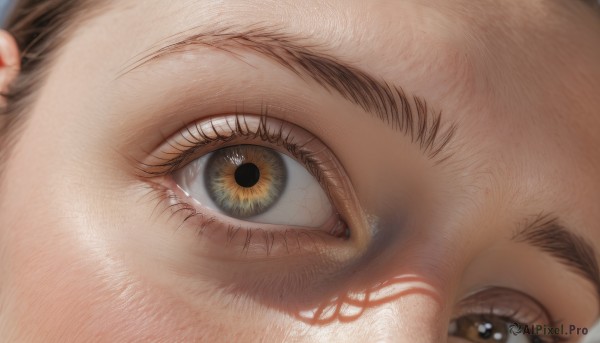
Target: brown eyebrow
<point>389,103</point>
<point>547,234</point>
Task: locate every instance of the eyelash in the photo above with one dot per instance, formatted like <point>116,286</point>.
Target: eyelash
<point>239,130</point>
<point>195,141</point>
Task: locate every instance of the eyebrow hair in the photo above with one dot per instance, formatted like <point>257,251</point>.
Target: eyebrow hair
<point>547,234</point>
<point>389,103</point>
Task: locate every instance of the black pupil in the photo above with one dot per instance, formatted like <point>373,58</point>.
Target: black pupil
<point>486,330</point>
<point>247,175</point>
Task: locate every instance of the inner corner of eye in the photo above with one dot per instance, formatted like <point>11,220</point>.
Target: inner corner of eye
<point>256,184</point>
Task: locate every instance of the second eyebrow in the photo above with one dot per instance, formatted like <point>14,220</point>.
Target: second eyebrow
<point>389,103</point>
<point>547,234</point>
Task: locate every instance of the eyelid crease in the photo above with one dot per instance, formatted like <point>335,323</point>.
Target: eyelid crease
<point>389,103</point>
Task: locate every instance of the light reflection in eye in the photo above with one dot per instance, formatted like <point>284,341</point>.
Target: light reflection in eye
<point>479,328</point>
<point>257,184</point>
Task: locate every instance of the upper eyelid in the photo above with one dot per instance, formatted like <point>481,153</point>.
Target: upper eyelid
<point>389,103</point>
<point>199,139</point>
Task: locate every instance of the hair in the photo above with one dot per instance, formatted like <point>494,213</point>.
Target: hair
<point>40,28</point>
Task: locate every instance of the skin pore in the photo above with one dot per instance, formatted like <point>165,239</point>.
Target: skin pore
<point>100,240</point>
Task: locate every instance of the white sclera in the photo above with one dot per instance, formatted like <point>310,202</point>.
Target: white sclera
<point>302,203</point>
<point>519,338</point>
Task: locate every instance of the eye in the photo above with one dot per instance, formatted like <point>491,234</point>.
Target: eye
<point>260,184</point>
<point>256,184</point>
<point>479,328</point>
<point>501,315</point>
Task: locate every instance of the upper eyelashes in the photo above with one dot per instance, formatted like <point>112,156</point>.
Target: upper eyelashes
<point>225,131</point>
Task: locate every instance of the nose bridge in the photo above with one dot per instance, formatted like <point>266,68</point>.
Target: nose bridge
<point>406,311</point>
<point>413,318</point>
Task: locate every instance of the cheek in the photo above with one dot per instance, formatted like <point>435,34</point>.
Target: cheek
<point>65,263</point>
<point>55,290</point>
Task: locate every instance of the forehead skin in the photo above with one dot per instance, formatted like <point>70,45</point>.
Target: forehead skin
<point>520,78</point>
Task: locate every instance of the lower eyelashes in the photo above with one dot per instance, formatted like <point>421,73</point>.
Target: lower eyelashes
<point>245,180</point>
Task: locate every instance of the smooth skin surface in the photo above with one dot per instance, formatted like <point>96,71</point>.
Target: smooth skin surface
<point>88,254</point>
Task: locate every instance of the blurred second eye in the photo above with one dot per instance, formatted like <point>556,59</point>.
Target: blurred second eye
<point>257,184</point>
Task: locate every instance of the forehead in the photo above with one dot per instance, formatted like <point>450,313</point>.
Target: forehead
<point>457,41</point>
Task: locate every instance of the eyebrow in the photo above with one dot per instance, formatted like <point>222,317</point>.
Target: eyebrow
<point>386,101</point>
<point>548,235</point>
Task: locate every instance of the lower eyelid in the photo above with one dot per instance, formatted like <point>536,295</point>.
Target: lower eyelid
<point>250,240</point>
<point>298,260</point>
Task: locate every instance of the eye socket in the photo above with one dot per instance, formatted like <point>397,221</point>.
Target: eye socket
<point>256,184</point>
<point>259,184</point>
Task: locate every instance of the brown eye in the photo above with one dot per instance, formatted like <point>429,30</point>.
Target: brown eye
<point>481,329</point>
<point>498,315</point>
